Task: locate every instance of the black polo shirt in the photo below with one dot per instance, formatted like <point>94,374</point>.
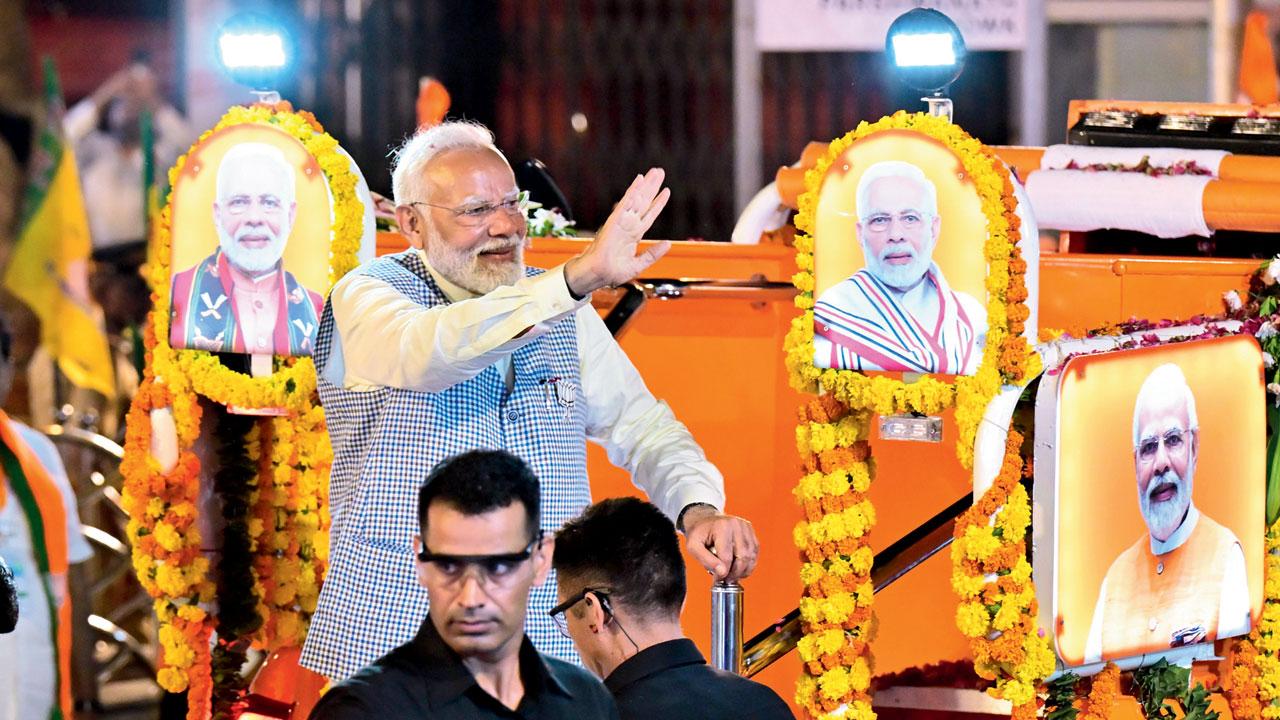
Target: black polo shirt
<point>672,681</point>
<point>425,678</point>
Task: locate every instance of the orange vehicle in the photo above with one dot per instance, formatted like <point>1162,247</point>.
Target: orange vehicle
<point>705,327</point>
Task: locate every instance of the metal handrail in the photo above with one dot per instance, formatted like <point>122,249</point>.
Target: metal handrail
<point>931,537</point>
<point>637,292</point>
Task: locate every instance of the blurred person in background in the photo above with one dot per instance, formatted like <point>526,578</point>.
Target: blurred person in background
<point>40,537</point>
<point>106,131</point>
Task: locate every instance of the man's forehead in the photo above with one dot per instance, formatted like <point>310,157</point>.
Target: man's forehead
<point>453,532</point>
<point>252,178</point>
<point>469,173</point>
<point>895,188</point>
<point>1161,412</point>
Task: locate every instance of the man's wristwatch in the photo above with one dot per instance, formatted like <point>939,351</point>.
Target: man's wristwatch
<point>680,517</point>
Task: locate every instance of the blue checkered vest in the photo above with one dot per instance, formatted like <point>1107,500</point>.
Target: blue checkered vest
<point>385,441</point>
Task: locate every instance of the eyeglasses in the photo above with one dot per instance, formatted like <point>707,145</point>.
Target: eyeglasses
<point>491,570</point>
<point>557,612</point>
<point>1174,441</point>
<point>880,222</point>
<point>478,214</point>
<point>240,204</point>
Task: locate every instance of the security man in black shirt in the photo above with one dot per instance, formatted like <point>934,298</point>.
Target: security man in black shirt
<point>622,586</point>
<point>479,553</point>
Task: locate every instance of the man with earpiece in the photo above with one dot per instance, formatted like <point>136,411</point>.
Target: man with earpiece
<point>622,587</point>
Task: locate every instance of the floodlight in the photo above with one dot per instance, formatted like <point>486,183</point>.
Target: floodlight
<point>254,50</point>
<point>927,52</point>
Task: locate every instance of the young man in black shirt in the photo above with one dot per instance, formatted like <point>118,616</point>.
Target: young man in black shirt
<point>479,553</point>
<point>622,586</point>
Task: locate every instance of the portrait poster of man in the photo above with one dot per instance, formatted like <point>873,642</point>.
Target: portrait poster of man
<point>251,232</point>
<point>1161,498</point>
<point>898,260</point>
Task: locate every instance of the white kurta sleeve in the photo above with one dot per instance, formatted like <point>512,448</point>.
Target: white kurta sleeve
<point>383,338</point>
<point>1233,603</point>
<point>1093,646</point>
<point>638,431</point>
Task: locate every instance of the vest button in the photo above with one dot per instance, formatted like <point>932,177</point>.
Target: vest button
<point>1159,568</point>
<point>513,415</point>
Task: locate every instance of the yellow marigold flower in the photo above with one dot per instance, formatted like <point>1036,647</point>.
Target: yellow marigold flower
<point>860,675</point>
<point>806,687</point>
<point>862,560</point>
<point>865,594</point>
<point>810,487</point>
<point>838,608</point>
<point>1007,616</point>
<point>972,619</point>
<point>155,508</point>
<point>142,565</point>
<point>171,581</point>
<point>967,586</point>
<point>167,537</point>
<point>859,710</point>
<point>830,641</point>
<point>1017,692</point>
<point>807,647</point>
<point>811,573</point>
<point>839,567</point>
<point>979,542</point>
<point>192,613</point>
<point>800,535</point>
<point>172,680</point>
<point>834,683</point>
<point>810,610</point>
<point>834,484</point>
<point>289,627</point>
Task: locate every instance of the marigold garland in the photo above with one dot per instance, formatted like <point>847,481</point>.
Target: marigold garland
<point>292,518</point>
<point>991,575</point>
<point>162,506</point>
<point>1102,696</point>
<point>835,610</point>
<point>293,383</point>
<point>1255,672</point>
<point>832,439</point>
<point>1007,358</point>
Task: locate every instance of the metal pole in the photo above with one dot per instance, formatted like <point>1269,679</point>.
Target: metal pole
<point>726,627</point>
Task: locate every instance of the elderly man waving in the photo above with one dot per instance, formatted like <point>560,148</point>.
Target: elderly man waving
<point>454,344</point>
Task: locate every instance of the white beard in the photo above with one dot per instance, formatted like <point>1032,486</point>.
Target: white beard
<point>466,270</point>
<point>252,260</point>
<point>897,276</point>
<point>1163,518</point>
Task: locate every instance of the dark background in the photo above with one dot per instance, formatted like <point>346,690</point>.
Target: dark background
<point>653,78</point>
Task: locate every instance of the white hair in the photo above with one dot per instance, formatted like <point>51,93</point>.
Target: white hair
<point>254,154</point>
<point>411,158</point>
<point>896,169</point>
<point>1166,379</point>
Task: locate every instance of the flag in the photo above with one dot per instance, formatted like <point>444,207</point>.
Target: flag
<point>49,267</point>
<point>1258,81</point>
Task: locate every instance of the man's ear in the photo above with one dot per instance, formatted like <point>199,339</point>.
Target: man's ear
<point>542,559</point>
<point>937,227</point>
<point>293,212</point>
<point>410,224</point>
<point>596,617</point>
<point>419,567</point>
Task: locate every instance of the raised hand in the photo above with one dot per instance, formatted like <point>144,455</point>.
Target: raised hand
<point>612,257</point>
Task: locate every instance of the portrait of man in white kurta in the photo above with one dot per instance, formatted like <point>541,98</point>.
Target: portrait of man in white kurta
<point>898,313</point>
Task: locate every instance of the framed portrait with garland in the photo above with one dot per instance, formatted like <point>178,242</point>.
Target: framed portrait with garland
<point>266,206</point>
<point>916,285</point>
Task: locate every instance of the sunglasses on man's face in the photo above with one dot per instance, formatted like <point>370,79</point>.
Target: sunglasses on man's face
<point>557,613</point>
<point>492,569</point>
